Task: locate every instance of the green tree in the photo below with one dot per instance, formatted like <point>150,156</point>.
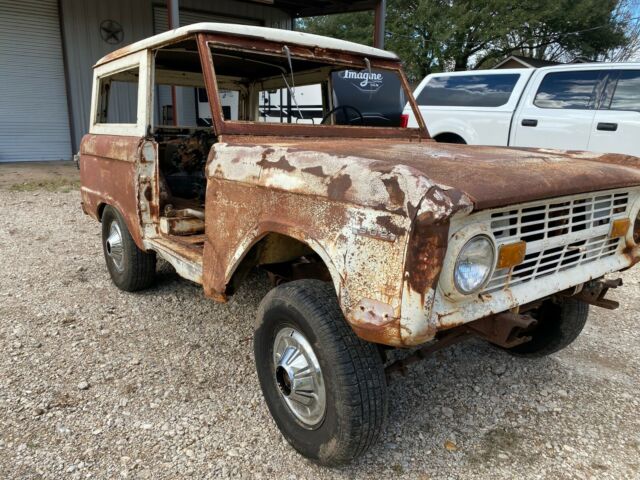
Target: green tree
<point>437,35</point>
<point>355,27</point>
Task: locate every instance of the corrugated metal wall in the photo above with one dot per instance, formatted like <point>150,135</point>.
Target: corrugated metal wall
<point>34,120</point>
<point>84,45</point>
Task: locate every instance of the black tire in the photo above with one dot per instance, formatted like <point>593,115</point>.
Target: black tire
<point>559,324</point>
<point>353,373</point>
<point>450,138</point>
<point>134,269</point>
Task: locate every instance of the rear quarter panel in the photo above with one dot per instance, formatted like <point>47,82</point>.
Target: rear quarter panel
<point>108,177</point>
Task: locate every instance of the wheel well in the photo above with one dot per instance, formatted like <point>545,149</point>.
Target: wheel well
<point>284,258</point>
<point>100,210</point>
<point>449,137</point>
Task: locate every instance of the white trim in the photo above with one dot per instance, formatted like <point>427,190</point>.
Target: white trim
<point>512,57</point>
<point>138,129</point>
<point>271,34</point>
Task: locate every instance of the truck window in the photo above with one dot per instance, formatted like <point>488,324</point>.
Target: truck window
<point>567,90</point>
<point>277,105</point>
<point>627,93</point>
<point>468,90</point>
<point>315,92</point>
<point>377,95</point>
<point>178,77</point>
<point>118,102</point>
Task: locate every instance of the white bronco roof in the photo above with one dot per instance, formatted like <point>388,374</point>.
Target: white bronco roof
<point>272,34</point>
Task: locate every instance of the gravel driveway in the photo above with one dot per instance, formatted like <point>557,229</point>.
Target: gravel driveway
<point>95,382</point>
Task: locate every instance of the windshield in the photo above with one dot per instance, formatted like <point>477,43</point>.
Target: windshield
<point>267,88</point>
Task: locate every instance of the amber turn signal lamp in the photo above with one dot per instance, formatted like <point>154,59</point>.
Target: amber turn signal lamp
<point>511,255</point>
<point>620,227</point>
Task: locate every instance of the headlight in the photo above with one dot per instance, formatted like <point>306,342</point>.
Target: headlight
<point>474,265</point>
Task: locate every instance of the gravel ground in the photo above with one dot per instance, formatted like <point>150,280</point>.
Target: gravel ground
<point>95,382</point>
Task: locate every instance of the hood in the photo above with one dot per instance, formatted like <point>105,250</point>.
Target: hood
<point>489,176</point>
<point>364,170</point>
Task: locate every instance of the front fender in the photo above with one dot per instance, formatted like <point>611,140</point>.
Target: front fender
<point>363,256</point>
<point>357,214</point>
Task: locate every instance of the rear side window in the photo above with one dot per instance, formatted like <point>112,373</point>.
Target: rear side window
<point>468,90</point>
<point>567,90</point>
<point>118,101</point>
<point>627,93</point>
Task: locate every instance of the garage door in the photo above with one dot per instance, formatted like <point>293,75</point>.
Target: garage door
<point>34,123</point>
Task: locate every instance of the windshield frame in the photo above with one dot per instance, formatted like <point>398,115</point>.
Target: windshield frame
<point>334,57</point>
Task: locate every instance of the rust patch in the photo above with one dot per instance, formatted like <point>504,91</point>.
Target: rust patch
<point>388,334</point>
<point>338,186</point>
<point>281,164</point>
<point>315,171</point>
<point>396,195</point>
<point>374,321</point>
<point>386,222</point>
<point>426,252</point>
<point>373,313</point>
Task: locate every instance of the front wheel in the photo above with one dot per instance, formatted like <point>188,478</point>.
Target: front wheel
<point>324,387</point>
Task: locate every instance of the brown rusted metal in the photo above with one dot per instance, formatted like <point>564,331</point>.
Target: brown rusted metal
<point>108,177</point>
<point>506,329</point>
<point>334,57</point>
<point>445,340</point>
<point>206,62</point>
<point>594,292</point>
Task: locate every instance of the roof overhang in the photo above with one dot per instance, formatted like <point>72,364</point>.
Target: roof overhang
<point>302,8</point>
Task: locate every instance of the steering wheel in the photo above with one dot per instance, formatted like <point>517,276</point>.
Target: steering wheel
<point>344,108</point>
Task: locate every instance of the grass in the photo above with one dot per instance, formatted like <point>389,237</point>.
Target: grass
<point>64,185</point>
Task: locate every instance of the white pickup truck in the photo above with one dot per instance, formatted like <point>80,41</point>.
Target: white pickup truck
<point>592,107</point>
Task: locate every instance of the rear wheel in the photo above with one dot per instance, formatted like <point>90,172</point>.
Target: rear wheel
<point>130,268</point>
<point>559,324</point>
<point>450,138</point>
<point>324,387</point>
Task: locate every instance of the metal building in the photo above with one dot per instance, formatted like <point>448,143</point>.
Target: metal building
<point>47,49</point>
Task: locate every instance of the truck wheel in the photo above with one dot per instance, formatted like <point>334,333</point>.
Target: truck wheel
<point>130,268</point>
<point>559,324</point>
<point>324,387</point>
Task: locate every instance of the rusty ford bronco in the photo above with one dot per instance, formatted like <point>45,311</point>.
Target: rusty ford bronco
<point>225,148</point>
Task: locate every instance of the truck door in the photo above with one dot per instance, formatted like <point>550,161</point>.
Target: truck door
<point>558,110</point>
<point>616,126</point>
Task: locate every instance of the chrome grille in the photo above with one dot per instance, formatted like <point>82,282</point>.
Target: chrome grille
<point>560,234</point>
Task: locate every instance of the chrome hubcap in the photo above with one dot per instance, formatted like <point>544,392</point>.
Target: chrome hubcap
<point>299,378</point>
<point>113,246</point>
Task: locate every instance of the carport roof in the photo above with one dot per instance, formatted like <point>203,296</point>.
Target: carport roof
<point>304,8</point>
